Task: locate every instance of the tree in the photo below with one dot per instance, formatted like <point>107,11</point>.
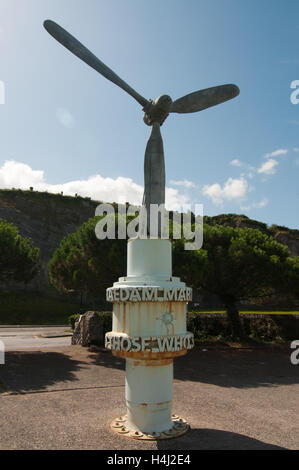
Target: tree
<point>83,263</point>
<point>290,280</point>
<point>19,257</point>
<point>236,264</point>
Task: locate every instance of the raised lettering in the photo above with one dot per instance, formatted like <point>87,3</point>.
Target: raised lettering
<point>124,294</point>
<point>145,343</point>
<point>135,296</point>
<point>128,345</point>
<point>169,294</point>
<point>182,295</point>
<point>149,293</point>
<point>136,343</point>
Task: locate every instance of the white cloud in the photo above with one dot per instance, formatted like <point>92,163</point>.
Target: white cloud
<point>233,189</point>
<point>262,203</point>
<point>186,183</point>
<point>268,168</point>
<point>276,153</point>
<point>256,205</point>
<point>174,200</point>
<point>65,117</point>
<point>20,175</point>
<point>236,162</point>
<point>296,149</point>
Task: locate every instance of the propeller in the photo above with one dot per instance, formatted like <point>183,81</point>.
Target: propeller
<point>154,154</point>
<point>73,45</point>
<point>154,176</point>
<point>204,99</point>
<point>155,113</point>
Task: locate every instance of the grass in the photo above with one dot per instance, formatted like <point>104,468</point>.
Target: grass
<point>262,312</point>
<point>34,309</point>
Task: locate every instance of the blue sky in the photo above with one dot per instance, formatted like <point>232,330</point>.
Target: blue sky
<point>66,128</point>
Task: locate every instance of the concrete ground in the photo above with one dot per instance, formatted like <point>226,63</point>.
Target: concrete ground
<point>22,338</point>
<point>65,397</point>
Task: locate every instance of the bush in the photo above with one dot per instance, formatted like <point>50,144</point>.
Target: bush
<point>72,319</point>
<point>208,326</point>
<point>265,328</point>
<point>215,326</point>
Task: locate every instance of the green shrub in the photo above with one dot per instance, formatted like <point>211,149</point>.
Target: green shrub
<point>215,326</point>
<point>107,318</point>
<point>72,319</point>
<point>264,328</point>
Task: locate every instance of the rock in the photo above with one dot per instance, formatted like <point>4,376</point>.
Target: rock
<point>89,329</point>
<point>76,338</point>
<point>291,240</point>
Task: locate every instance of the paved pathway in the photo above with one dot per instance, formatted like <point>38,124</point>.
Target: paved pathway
<point>65,398</point>
<point>22,338</point>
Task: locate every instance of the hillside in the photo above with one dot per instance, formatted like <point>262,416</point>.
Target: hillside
<point>284,235</point>
<point>46,218</point>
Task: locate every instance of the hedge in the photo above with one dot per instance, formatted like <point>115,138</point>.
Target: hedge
<point>206,326</point>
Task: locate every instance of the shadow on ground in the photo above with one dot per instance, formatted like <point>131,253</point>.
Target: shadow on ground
<point>104,357</point>
<point>213,439</point>
<point>240,368</point>
<point>84,367</point>
<point>37,370</point>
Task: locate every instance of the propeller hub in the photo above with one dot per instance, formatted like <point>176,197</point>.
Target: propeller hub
<point>158,110</point>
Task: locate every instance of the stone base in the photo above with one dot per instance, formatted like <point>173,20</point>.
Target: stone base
<point>180,427</point>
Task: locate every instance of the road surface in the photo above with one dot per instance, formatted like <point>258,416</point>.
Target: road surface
<point>24,338</point>
<point>66,397</point>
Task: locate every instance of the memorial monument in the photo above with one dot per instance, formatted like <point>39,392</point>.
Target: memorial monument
<point>149,304</point>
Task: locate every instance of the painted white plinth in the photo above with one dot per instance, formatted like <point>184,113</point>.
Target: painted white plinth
<point>149,396</point>
<point>149,371</point>
<point>149,258</point>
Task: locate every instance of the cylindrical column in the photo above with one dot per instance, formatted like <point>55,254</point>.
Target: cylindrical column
<point>149,258</point>
<point>149,331</point>
<point>149,387</point>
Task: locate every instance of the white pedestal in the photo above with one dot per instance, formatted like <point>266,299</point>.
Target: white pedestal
<point>149,331</point>
<point>149,395</point>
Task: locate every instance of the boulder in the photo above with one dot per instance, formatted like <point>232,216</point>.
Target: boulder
<point>89,329</point>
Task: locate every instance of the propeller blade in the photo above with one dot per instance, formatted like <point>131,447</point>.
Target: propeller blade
<point>203,99</point>
<point>154,169</point>
<point>154,176</point>
<point>73,45</point>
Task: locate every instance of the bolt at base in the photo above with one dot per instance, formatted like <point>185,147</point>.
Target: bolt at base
<point>180,426</point>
